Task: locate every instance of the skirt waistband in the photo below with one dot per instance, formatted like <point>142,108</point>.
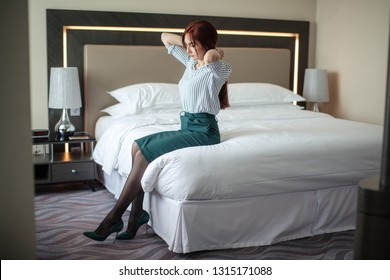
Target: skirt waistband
<point>197,115</point>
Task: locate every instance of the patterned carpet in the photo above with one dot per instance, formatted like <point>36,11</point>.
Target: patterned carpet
<point>64,212</point>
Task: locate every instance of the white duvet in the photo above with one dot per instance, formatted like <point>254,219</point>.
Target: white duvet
<point>264,150</point>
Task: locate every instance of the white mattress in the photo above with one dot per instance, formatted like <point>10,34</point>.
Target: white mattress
<point>264,150</point>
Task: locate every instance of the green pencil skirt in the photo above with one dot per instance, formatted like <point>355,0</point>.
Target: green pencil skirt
<point>198,129</point>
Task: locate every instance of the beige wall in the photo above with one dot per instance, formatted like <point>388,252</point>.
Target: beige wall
<point>352,43</point>
<point>275,9</point>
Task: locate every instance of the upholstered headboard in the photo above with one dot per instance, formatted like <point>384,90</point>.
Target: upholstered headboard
<point>260,50</point>
<point>108,67</point>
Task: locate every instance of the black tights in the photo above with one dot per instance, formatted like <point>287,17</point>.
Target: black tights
<point>132,193</point>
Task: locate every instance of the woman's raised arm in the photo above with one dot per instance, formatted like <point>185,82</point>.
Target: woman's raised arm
<point>171,39</point>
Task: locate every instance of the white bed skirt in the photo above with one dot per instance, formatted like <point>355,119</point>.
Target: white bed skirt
<point>188,226</point>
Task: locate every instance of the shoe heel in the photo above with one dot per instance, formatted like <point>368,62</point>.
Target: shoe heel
<point>116,235</point>
<point>146,229</point>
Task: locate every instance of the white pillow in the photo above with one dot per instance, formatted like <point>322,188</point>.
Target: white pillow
<point>148,95</point>
<point>260,93</point>
<point>118,109</point>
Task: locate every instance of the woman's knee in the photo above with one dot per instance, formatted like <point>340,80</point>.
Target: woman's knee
<point>135,148</point>
<point>138,157</point>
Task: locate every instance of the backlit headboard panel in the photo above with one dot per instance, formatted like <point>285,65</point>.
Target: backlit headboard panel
<point>69,31</point>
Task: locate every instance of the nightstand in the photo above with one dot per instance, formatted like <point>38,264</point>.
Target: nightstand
<point>66,161</point>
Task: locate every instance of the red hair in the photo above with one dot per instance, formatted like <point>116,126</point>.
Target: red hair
<point>206,35</point>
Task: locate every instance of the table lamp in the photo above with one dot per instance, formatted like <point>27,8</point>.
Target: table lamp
<point>64,93</point>
<point>315,87</point>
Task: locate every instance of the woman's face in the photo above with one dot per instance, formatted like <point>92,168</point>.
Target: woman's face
<point>193,48</point>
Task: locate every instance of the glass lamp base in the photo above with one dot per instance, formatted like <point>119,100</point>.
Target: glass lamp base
<point>315,107</point>
<point>64,128</point>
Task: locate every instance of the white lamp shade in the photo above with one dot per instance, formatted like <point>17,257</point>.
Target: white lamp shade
<point>64,90</point>
<point>315,86</point>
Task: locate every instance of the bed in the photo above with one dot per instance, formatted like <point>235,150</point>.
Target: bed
<point>280,172</point>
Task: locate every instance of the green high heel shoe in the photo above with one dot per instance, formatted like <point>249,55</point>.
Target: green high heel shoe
<point>115,228</point>
<point>143,219</point>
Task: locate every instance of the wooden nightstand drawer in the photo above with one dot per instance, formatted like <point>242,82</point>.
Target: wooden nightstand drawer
<point>64,161</point>
<point>75,171</point>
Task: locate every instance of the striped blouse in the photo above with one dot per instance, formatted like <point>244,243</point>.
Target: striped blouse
<point>199,88</point>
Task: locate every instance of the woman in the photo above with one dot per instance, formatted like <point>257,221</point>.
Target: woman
<point>203,90</point>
